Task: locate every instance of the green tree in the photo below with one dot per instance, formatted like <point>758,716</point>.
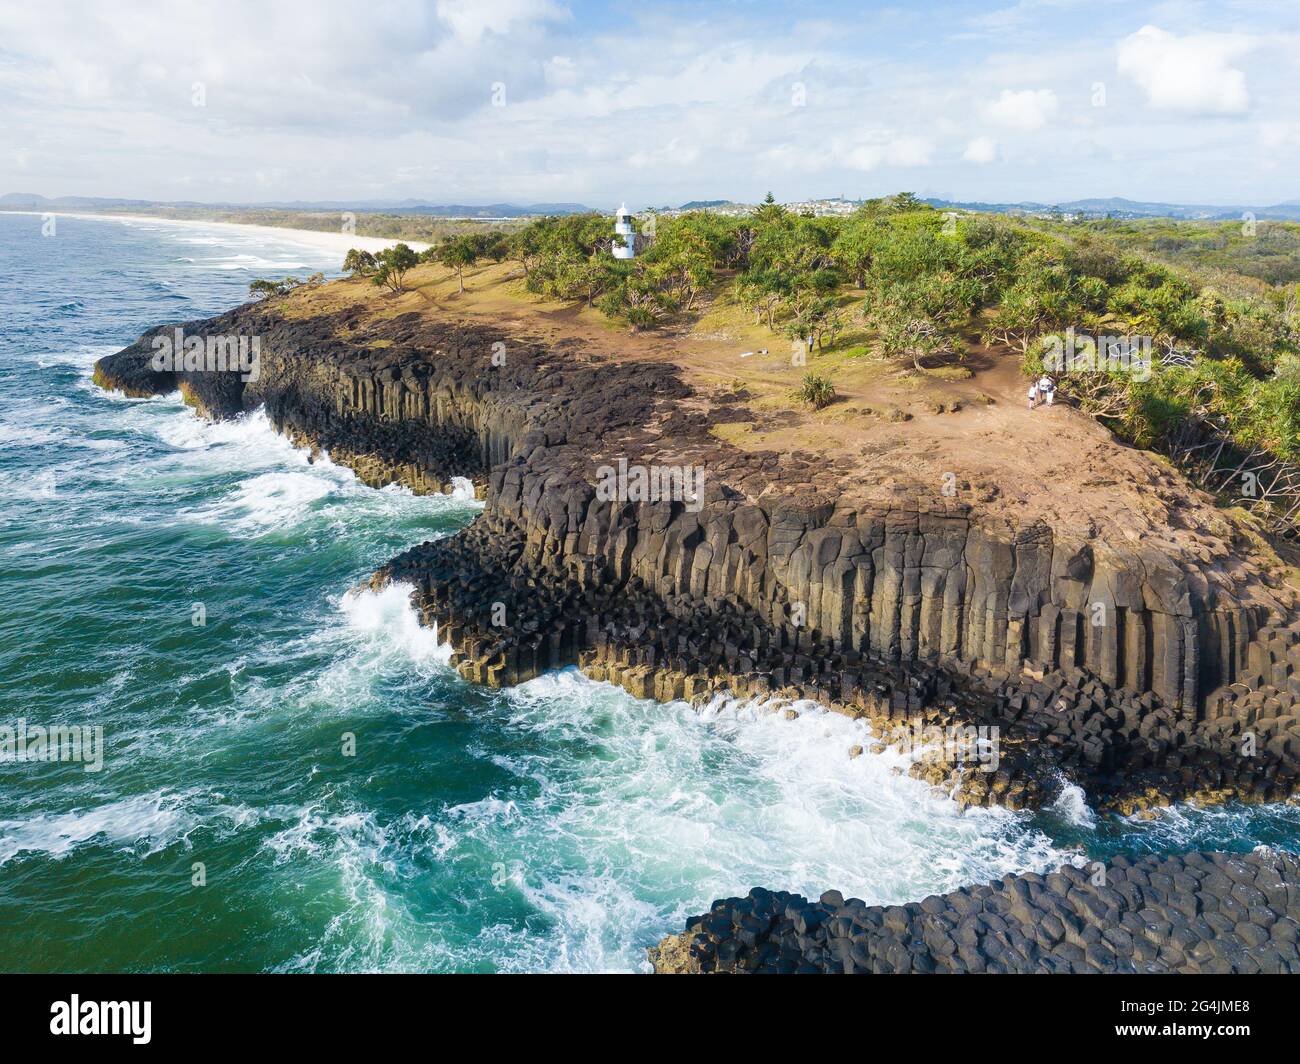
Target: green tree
<point>360,263</point>
<point>392,266</point>
<point>769,211</point>
<point>856,245</point>
<point>909,332</point>
<point>681,260</point>
<point>458,252</point>
<point>264,288</point>
<point>525,246</point>
<point>1045,298</point>
<point>791,273</point>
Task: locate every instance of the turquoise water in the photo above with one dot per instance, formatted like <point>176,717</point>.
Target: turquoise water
<point>560,826</point>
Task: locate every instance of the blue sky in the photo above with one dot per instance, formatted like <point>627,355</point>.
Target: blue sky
<point>655,103</point>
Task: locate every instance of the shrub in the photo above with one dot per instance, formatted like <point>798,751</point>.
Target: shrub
<point>640,317</point>
<point>815,390</point>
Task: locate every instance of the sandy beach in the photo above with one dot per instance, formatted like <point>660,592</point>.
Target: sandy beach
<point>318,239</point>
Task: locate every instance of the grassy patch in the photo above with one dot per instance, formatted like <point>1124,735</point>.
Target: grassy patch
<point>854,351</point>
<point>950,373</point>
<point>733,432</point>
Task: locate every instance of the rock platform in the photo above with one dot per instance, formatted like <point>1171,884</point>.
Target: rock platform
<point>1196,913</point>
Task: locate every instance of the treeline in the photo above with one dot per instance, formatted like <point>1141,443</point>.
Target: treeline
<point>1268,251</point>
<point>390,266</point>
<point>422,228</point>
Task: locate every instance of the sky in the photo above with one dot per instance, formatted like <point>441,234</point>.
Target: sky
<point>653,103</point>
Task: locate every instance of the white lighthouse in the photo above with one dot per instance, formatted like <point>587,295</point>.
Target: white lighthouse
<point>623,227</point>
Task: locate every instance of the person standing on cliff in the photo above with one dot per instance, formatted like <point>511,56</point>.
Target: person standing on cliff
<point>1047,387</point>
<point>1033,394</point>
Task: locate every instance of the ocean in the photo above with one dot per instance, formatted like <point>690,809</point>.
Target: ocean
<point>293,778</point>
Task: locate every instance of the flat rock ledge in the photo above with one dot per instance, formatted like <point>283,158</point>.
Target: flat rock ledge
<point>1216,913</point>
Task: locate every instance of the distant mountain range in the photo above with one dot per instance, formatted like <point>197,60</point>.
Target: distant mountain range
<point>1116,207</point>
<point>31,201</point>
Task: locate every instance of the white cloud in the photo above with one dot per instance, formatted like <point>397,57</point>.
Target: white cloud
<point>560,71</point>
<point>1023,111</point>
<point>305,100</point>
<point>290,65</point>
<point>471,20</point>
<point>673,154</point>
<point>1189,74</point>
<point>894,151</point>
<point>981,150</point>
<point>786,157</point>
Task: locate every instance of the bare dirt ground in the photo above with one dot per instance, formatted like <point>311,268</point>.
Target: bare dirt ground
<point>966,426</point>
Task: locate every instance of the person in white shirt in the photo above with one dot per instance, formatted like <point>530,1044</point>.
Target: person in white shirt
<point>1033,394</point>
<point>1047,387</point>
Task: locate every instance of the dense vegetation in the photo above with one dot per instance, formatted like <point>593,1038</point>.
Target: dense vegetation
<point>1265,250</point>
<point>1217,350</point>
<point>422,228</point>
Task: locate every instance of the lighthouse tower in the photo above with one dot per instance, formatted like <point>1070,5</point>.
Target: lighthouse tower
<point>623,227</point>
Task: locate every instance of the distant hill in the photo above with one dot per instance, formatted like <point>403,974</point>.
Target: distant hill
<point>1113,207</point>
<point>1118,207</point>
<point>33,201</point>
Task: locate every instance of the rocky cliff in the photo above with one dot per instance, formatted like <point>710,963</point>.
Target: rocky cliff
<point>621,534</point>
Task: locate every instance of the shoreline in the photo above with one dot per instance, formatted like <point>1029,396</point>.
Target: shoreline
<point>672,613</point>
<point>317,239</point>
<point>647,600</point>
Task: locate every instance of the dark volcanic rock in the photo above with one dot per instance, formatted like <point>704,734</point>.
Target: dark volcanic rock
<point>1133,673</point>
<point>1201,912</point>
